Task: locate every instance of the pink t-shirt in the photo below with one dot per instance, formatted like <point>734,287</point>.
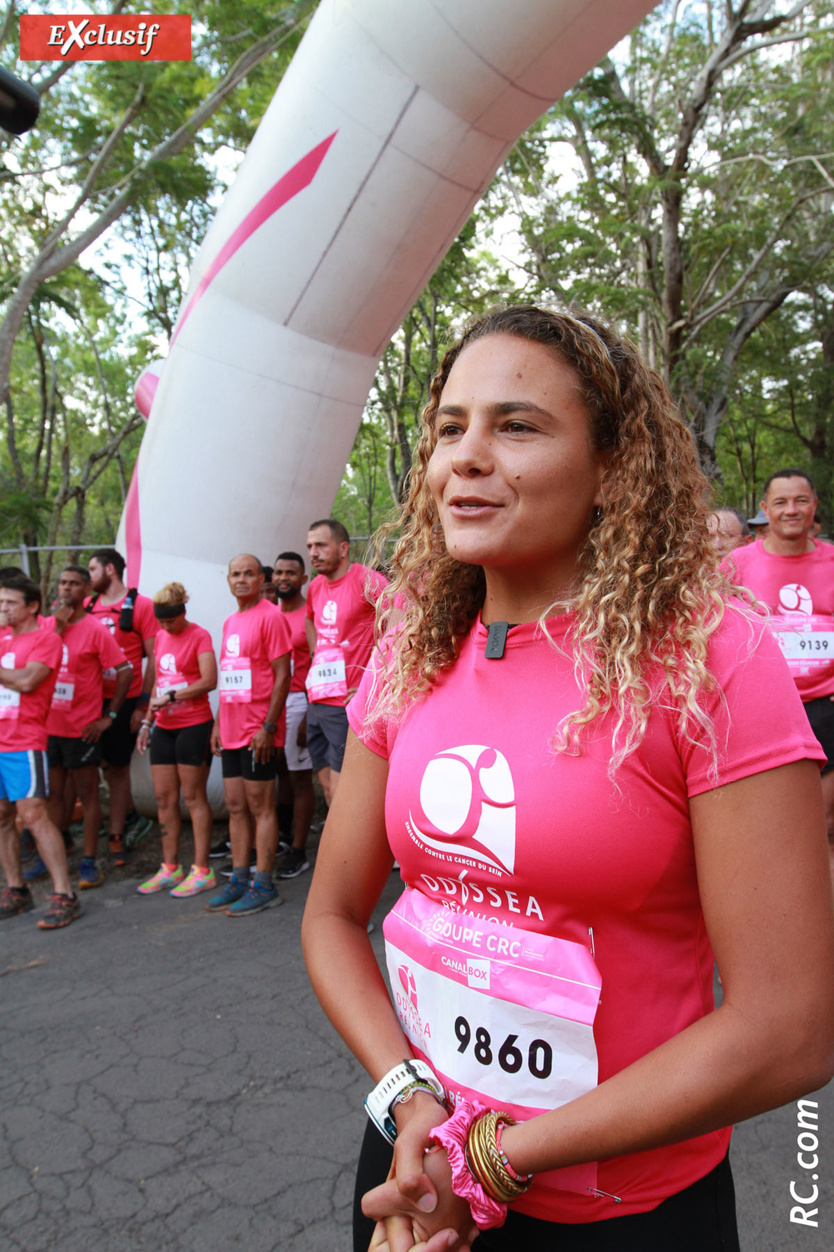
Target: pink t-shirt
<point>88,650</point>
<point>131,642</point>
<point>177,666</point>
<point>799,591</point>
<point>301,658</point>
<point>23,714</point>
<point>252,640</point>
<point>487,821</point>
<point>342,612</point>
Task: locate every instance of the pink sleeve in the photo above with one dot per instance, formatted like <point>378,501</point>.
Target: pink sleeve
<point>109,651</point>
<point>143,618</point>
<point>47,649</point>
<point>757,713</point>
<point>379,735</point>
<point>204,643</point>
<point>278,636</point>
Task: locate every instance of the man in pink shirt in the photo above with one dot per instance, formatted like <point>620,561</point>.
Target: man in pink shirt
<point>76,723</point>
<point>130,620</point>
<point>250,725</point>
<point>29,661</point>
<point>340,629</point>
<point>296,770</point>
<point>793,575</point>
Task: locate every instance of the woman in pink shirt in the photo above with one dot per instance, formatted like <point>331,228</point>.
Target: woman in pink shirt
<point>178,727</point>
<point>588,757</point>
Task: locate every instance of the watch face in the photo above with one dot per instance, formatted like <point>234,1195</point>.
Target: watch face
<point>270,727</point>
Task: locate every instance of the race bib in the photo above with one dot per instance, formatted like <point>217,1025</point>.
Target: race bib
<point>807,642</point>
<point>503,1015</point>
<point>236,680</point>
<point>326,676</point>
<point>9,703</point>
<point>64,693</point>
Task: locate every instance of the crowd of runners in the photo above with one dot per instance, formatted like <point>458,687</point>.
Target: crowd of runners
<point>108,670</point>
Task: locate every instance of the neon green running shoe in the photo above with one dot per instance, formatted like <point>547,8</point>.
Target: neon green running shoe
<point>166,876</point>
<point>198,880</point>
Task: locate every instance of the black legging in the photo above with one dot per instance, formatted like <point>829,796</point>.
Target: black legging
<point>701,1218</point>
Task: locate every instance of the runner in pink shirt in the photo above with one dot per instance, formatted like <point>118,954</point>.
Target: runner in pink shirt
<point>129,618</point>
<point>565,740</point>
<point>793,574</point>
<point>340,617</point>
<point>29,661</point>
<point>250,725</point>
<point>178,727</point>
<point>76,723</point>
<point>296,798</point>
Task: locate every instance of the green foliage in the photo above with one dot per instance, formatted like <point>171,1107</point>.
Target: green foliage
<point>109,164</point>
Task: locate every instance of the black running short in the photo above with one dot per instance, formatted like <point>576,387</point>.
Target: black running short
<point>186,745</point>
<point>65,753</point>
<point>241,763</point>
<point>117,743</point>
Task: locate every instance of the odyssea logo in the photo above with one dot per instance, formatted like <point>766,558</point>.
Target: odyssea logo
<point>407,983</point>
<point>94,37</point>
<point>167,663</point>
<point>65,657</point>
<point>233,645</point>
<point>467,800</point>
<point>794,598</point>
<point>330,612</point>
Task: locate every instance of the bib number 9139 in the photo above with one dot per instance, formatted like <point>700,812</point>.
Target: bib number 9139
<point>511,1058</point>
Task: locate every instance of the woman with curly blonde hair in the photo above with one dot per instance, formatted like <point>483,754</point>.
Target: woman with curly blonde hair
<point>567,739</point>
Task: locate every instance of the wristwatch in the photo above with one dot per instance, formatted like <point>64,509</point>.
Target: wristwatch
<point>379,1104</point>
<point>112,715</point>
<point>172,697</point>
<point>270,727</point>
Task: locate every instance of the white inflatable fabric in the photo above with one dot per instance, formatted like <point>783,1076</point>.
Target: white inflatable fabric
<point>386,129</point>
<point>384,132</point>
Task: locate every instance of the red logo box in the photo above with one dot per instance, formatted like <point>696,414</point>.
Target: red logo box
<point>82,37</point>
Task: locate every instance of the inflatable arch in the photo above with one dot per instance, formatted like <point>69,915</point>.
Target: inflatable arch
<point>387,127</point>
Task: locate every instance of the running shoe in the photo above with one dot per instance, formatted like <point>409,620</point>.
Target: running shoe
<point>61,911</point>
<point>198,880</point>
<point>293,864</point>
<point>163,879</point>
<point>232,892</point>
<point>256,899</point>
<point>118,855</point>
<point>88,873</point>
<point>14,900</point>
<point>136,828</point>
<point>35,871</point>
<point>221,848</point>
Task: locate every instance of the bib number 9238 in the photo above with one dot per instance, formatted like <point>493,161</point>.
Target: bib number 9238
<point>537,1056</point>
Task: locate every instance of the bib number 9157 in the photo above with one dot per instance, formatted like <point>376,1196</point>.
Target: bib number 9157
<point>511,1058</point>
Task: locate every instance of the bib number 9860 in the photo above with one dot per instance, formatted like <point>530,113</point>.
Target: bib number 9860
<point>511,1058</point>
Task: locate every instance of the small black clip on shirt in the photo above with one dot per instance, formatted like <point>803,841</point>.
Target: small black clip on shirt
<point>496,640</point>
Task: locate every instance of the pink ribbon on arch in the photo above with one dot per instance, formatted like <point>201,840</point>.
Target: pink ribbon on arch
<point>288,185</point>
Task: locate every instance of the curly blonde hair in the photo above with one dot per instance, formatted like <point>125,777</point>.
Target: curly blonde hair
<point>649,595</point>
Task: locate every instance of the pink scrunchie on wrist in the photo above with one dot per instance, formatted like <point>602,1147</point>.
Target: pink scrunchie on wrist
<point>452,1136</point>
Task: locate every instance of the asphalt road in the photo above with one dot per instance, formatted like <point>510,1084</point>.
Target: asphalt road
<point>170,1083</point>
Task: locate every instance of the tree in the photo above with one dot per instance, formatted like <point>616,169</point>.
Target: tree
<point>122,152</point>
<point>698,204</point>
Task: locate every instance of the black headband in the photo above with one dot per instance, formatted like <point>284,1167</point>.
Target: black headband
<point>163,611</point>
